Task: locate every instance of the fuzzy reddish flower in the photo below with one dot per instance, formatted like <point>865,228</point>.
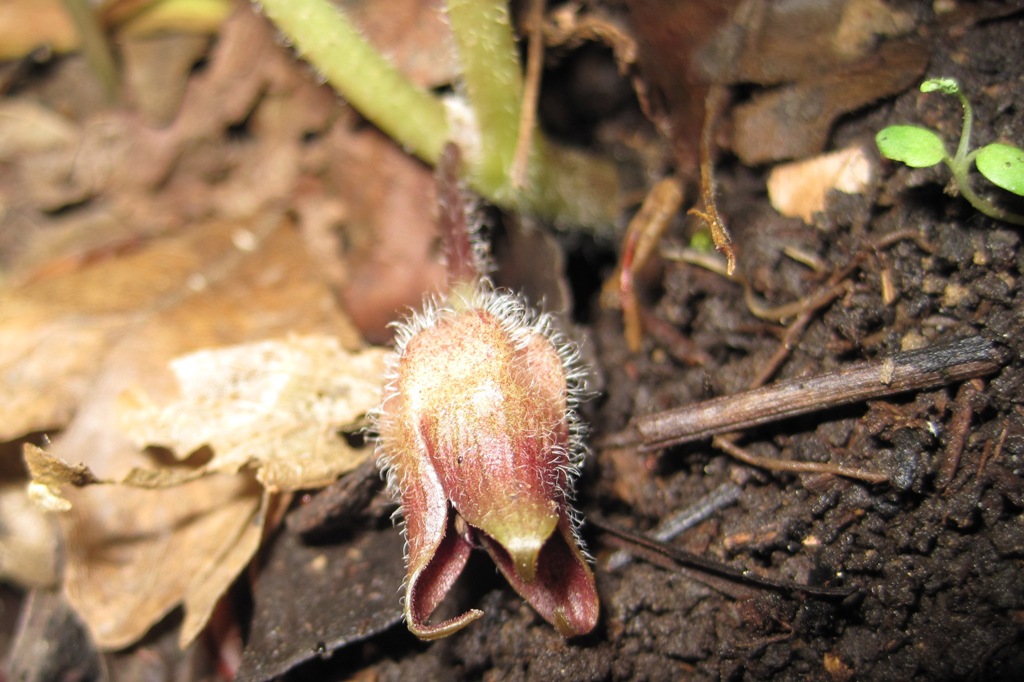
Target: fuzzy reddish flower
<point>478,432</point>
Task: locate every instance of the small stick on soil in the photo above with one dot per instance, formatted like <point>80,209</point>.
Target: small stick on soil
<point>642,236</point>
<point>958,427</point>
<point>651,548</point>
<point>684,519</point>
<point>990,453</point>
<point>713,106</point>
<point>907,371</point>
<point>678,345</point>
<point>803,309</point>
<point>794,330</point>
<point>727,446</point>
<point>835,285</point>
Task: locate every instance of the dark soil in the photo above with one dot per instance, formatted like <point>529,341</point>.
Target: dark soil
<point>935,558</point>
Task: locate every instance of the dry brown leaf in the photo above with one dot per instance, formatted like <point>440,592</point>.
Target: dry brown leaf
<point>414,34</point>
<point>49,474</point>
<point>221,532</point>
<point>41,146</point>
<point>154,253</point>
<point>133,555</point>
<point>137,554</point>
<point>27,24</point>
<point>226,554</point>
<point>864,21</point>
<point>794,120</point>
<point>115,156</point>
<point>774,42</point>
<point>799,189</point>
<point>391,229</point>
<point>272,405</point>
<point>156,69</point>
<point>55,331</point>
<point>28,540</point>
<point>673,39</point>
<point>28,127</point>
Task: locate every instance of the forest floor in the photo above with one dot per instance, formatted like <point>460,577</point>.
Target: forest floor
<point>302,219</point>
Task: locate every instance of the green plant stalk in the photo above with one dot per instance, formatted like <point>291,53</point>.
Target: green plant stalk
<point>965,135</point>
<point>324,36</point>
<point>961,176</point>
<point>493,82</point>
<point>960,166</point>
<point>567,187</point>
<point>95,45</point>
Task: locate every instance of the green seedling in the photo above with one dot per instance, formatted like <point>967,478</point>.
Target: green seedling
<point>918,147</point>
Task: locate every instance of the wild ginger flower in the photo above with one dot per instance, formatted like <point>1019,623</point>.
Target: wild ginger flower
<point>478,432</point>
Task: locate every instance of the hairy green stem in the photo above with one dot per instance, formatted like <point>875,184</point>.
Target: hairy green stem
<point>566,186</point>
<point>960,165</point>
<point>562,184</point>
<point>965,135</point>
<point>493,83</point>
<point>961,176</point>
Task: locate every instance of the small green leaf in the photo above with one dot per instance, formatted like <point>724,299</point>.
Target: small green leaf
<point>915,146</point>
<point>1003,164</point>
<point>948,86</point>
<point>702,241</point>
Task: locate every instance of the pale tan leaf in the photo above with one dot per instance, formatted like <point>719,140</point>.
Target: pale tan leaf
<point>125,247</point>
<point>28,540</point>
<point>49,474</point>
<point>137,554</point>
<point>799,189</point>
<point>227,561</point>
<point>134,555</point>
<point>215,539</point>
<point>28,127</point>
<point>275,405</point>
<point>55,331</point>
<point>53,471</point>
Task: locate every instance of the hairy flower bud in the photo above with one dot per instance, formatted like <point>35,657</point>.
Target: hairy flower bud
<point>478,432</point>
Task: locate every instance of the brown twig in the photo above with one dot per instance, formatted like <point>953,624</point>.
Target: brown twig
<point>652,549</point>
<point>531,92</point>
<point>809,306</point>
<point>714,104</point>
<point>991,451</point>
<point>726,445</point>
<point>679,346</point>
<point>906,371</point>
<point>793,331</point>
<point>642,236</point>
<point>958,427</point>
